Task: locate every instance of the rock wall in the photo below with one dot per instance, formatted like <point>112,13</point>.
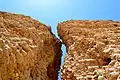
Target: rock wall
<point>93,49</point>
<point>28,49</point>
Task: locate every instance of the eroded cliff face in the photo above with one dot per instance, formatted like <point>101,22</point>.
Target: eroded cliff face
<point>28,49</point>
<point>93,50</point>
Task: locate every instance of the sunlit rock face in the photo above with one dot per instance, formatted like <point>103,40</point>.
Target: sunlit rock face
<point>93,49</point>
<point>28,49</point>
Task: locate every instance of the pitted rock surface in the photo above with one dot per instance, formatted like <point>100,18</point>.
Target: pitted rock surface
<point>28,49</point>
<point>93,49</point>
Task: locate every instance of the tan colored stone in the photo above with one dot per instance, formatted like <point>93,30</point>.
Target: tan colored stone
<point>91,43</point>
<point>28,49</point>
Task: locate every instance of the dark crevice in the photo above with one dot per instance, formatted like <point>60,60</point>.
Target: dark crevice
<point>107,61</point>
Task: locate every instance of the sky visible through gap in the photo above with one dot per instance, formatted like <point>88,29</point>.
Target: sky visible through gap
<point>51,12</point>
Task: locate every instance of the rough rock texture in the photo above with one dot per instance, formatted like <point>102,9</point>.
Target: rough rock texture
<point>93,50</point>
<point>28,49</point>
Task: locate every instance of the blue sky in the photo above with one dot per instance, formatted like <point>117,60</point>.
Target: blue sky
<point>51,12</point>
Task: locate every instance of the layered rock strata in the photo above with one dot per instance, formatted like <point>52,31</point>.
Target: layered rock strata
<point>93,49</point>
<point>28,49</point>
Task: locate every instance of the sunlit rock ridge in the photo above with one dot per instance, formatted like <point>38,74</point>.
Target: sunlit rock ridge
<point>28,49</point>
<point>93,49</point>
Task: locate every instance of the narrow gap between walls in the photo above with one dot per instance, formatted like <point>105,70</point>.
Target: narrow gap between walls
<point>63,48</point>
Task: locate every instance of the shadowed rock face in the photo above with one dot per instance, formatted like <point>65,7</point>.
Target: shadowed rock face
<point>28,49</point>
<point>93,49</point>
